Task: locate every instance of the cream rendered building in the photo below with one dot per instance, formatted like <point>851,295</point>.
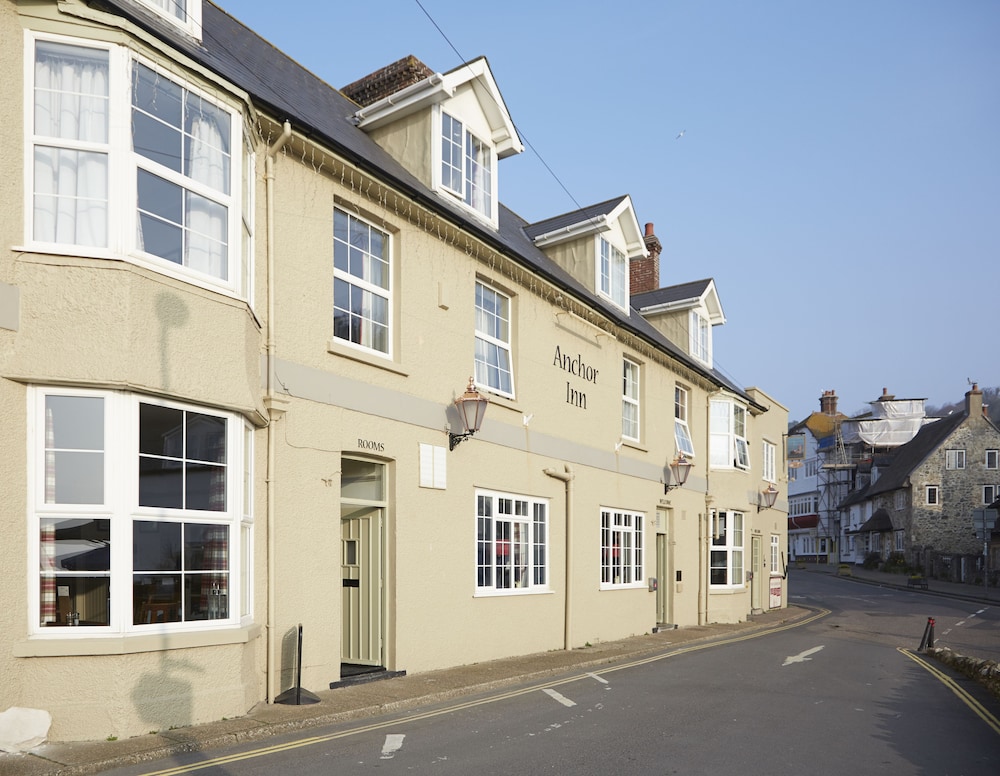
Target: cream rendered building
<point>237,308</point>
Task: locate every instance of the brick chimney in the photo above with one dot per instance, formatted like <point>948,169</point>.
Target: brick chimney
<point>828,403</point>
<point>644,274</point>
<point>389,80</point>
<point>974,402</point>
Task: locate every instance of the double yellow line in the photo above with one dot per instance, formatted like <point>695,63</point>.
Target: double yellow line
<point>978,709</point>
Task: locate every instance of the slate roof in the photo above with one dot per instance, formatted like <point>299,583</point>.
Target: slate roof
<point>879,522</point>
<point>572,218</point>
<point>908,457</point>
<point>287,90</point>
<point>692,290</point>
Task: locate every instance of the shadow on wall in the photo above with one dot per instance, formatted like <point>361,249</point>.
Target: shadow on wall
<point>172,313</point>
<point>163,699</point>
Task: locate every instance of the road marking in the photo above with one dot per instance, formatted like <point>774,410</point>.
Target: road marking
<point>802,657</point>
<point>393,743</point>
<point>967,699</point>
<point>299,743</point>
<point>559,697</point>
<point>601,679</point>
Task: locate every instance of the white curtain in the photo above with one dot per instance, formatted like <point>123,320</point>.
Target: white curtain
<point>70,184</point>
<point>207,221</point>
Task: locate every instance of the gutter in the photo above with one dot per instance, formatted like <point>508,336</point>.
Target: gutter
<point>567,477</point>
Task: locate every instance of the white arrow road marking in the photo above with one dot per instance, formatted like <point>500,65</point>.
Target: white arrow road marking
<point>802,657</point>
<point>561,698</point>
<point>393,743</point>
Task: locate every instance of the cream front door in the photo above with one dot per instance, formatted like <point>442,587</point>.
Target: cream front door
<point>361,565</point>
<point>759,577</point>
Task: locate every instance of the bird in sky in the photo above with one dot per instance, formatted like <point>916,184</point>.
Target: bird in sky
<point>680,134</point>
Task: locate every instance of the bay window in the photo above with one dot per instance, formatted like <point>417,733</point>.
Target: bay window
<point>726,553</point>
<point>141,513</point>
<point>127,161</point>
<point>728,434</point>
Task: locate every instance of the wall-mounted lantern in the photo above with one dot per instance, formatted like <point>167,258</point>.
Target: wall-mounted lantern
<point>766,498</point>
<point>680,468</point>
<point>471,409</point>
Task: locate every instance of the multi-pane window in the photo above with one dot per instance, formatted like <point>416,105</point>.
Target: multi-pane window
<point>931,495</point>
<point>466,165</point>
<point>511,543</point>
<point>726,553</point>
<point>775,554</point>
<point>621,548</point>
<point>992,458</point>
<point>184,13</point>
<point>954,459</point>
<point>630,399</point>
<point>700,337</point>
<point>493,334</point>
<point>164,192</point>
<point>728,434</point>
<point>899,499</point>
<point>682,432</point>
<point>900,544</point>
<point>167,546</point>
<point>613,270</point>
<point>362,302</point>
<point>769,453</point>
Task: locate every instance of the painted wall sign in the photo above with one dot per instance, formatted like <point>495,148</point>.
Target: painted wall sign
<point>577,367</point>
<point>371,444</point>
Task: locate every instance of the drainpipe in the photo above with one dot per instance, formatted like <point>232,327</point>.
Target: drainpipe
<point>567,477</point>
<point>270,671</point>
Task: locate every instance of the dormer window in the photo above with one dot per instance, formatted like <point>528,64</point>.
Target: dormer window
<point>613,273</point>
<point>701,337</point>
<point>466,166</point>
<point>186,14</point>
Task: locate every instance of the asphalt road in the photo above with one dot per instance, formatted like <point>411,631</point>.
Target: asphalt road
<point>843,692</point>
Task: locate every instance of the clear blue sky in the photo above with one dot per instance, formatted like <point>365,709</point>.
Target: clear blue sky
<point>838,176</point>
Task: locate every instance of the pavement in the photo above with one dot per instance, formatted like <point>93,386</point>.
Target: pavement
<point>371,698</point>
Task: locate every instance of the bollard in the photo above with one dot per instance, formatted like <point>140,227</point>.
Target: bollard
<point>927,642</point>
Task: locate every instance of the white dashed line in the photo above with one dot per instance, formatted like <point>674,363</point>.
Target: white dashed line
<point>561,698</point>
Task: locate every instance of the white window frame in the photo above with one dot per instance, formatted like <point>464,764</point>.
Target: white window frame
<point>631,393</point>
<point>726,551</point>
<point>932,495</point>
<point>992,459</point>
<point>700,344</point>
<point>364,281</point>
<point>728,447</point>
<point>612,273</point>
<point>494,357</point>
<point>505,522</point>
<point>184,14</point>
<point>954,459</point>
<point>768,463</point>
<point>471,180</point>
<point>776,569</point>
<point>119,487</point>
<point>682,432</point>
<point>900,540</point>
<point>623,549</point>
<point>990,494</point>
<point>124,167</point>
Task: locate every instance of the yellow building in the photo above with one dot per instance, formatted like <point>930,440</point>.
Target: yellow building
<point>241,314</point>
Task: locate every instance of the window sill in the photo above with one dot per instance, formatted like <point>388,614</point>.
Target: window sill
<point>334,347</point>
<point>511,592</point>
<point>133,643</point>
